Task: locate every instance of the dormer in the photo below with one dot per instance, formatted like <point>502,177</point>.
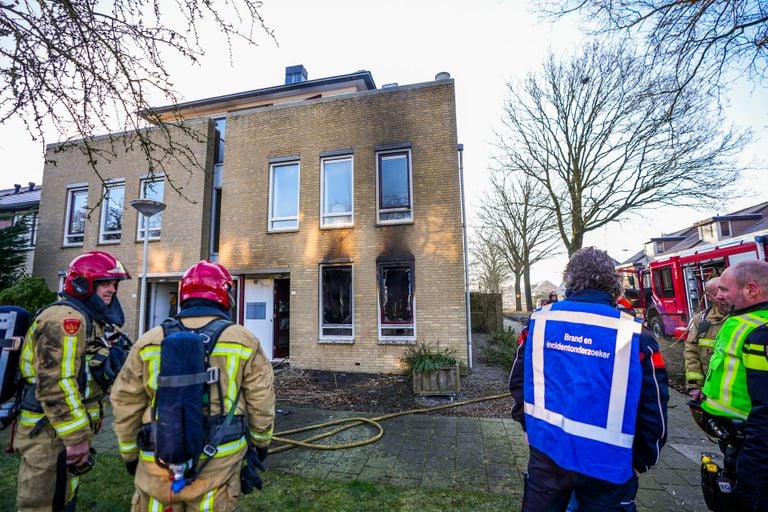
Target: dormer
<point>723,227</point>
<point>659,245</point>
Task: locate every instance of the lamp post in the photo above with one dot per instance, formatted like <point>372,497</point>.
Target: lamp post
<point>147,208</point>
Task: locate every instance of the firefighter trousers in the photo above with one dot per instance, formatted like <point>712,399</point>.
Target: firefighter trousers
<point>219,499</point>
<point>44,485</point>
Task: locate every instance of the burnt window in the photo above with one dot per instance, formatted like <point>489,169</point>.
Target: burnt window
<point>396,318</point>
<point>336,302</point>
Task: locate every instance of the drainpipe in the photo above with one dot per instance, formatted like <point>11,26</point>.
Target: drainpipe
<point>466,256</point>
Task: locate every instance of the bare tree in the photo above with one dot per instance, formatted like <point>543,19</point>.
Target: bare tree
<point>88,67</point>
<point>488,264</point>
<point>701,41</point>
<point>525,231</point>
<point>601,138</point>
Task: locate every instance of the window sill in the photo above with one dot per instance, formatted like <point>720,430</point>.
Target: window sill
<point>335,341</point>
<point>278,231</point>
<point>150,240</point>
<point>381,223</point>
<point>109,242</point>
<point>397,341</point>
<point>345,226</point>
<point>66,246</point>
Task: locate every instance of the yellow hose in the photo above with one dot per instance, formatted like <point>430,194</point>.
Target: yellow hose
<point>355,422</point>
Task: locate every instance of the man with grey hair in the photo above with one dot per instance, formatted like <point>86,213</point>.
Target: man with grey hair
<point>736,387</point>
<point>590,390</point>
<point>700,342</point>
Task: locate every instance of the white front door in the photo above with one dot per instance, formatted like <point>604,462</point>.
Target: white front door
<point>258,311</point>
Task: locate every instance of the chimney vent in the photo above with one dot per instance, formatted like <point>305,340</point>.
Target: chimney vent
<point>17,187</point>
<point>443,75</point>
<point>31,186</point>
<point>295,74</point>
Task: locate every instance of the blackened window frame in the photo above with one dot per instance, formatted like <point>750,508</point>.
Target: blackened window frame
<point>325,329</point>
<point>407,208</point>
<point>386,328</point>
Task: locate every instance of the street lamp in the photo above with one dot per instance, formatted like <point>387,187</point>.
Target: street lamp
<point>147,208</point>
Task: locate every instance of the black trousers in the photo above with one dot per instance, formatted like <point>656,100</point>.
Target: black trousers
<point>548,488</point>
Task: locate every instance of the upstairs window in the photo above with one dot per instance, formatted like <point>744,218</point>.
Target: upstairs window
<point>112,213</point>
<point>151,188</point>
<point>725,229</point>
<point>337,192</point>
<point>393,187</point>
<point>29,238</point>
<point>396,318</point>
<point>336,302</point>
<point>284,196</point>
<point>77,206</point>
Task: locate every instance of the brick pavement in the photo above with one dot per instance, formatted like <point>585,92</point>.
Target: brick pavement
<point>474,454</point>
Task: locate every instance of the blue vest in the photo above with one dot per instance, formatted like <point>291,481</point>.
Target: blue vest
<point>582,387</point>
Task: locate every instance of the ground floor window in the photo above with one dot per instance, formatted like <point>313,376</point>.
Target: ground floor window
<point>336,302</point>
<point>396,304</point>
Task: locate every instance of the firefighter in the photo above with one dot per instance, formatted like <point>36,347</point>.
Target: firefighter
<point>68,360</point>
<point>700,342</point>
<point>736,387</point>
<point>590,389</point>
<point>552,298</point>
<point>243,391</point>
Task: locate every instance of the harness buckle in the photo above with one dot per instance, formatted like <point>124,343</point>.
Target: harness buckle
<point>210,450</point>
<point>213,375</point>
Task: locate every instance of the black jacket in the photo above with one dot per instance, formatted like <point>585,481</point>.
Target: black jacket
<point>752,463</point>
<point>651,430</point>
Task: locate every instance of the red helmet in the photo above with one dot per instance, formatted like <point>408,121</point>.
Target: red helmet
<point>206,280</point>
<point>89,268</point>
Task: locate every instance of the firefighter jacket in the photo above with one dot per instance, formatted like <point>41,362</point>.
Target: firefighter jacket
<point>577,408</point>
<point>726,384</point>
<point>752,462</point>
<point>700,344</point>
<point>245,375</point>
<point>55,365</point>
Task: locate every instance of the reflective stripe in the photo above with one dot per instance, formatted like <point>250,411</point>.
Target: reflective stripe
<point>224,348</point>
<point>151,355</point>
<point>706,342</point>
<point>260,437</point>
<point>233,352</point>
<point>28,356</point>
<point>755,357</point>
<point>625,329</point>
<point>127,448</point>
<point>725,410</point>
<point>616,438</point>
<point>65,428</point>
<point>206,504</point>
<point>154,506</point>
<point>694,376</point>
<point>29,418</point>
<point>74,483</point>
<point>223,450</point>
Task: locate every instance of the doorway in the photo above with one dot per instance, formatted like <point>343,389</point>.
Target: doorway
<point>163,302</point>
<point>282,315</point>
<point>266,313</point>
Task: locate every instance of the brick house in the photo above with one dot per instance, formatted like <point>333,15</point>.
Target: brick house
<point>21,204</point>
<point>337,207</point>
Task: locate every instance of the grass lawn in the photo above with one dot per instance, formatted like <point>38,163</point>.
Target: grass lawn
<point>109,488</point>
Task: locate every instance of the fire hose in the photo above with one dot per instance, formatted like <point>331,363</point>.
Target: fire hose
<point>348,423</point>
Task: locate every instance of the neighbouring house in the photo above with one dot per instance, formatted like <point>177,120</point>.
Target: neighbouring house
<point>21,204</point>
<point>337,206</point>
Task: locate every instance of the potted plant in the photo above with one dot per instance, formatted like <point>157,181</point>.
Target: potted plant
<point>434,371</point>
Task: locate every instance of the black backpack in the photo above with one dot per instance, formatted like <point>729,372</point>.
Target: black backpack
<point>14,322</point>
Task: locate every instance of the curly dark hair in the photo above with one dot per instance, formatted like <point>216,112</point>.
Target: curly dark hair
<point>590,267</point>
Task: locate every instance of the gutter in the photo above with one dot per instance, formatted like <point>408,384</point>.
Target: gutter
<point>466,256</point>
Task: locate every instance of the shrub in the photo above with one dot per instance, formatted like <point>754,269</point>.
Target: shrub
<point>31,293</point>
<point>500,348</point>
<point>423,358</point>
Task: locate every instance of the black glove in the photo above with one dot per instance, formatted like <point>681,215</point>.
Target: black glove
<point>249,474</point>
<point>262,452</point>
<point>131,466</point>
<point>106,364</point>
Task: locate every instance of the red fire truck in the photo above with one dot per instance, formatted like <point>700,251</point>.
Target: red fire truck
<point>670,289</point>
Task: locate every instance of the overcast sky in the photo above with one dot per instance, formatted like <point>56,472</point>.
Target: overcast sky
<point>482,44</point>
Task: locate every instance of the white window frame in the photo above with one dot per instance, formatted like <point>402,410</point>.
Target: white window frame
<point>351,212</point>
<point>140,218</point>
<point>409,209</point>
<point>105,208</point>
<point>272,220</point>
<point>720,228</point>
<point>337,337</point>
<point>72,191</point>
<point>382,326</point>
<point>30,237</point>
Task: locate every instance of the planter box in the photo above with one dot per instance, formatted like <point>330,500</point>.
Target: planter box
<point>445,381</point>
